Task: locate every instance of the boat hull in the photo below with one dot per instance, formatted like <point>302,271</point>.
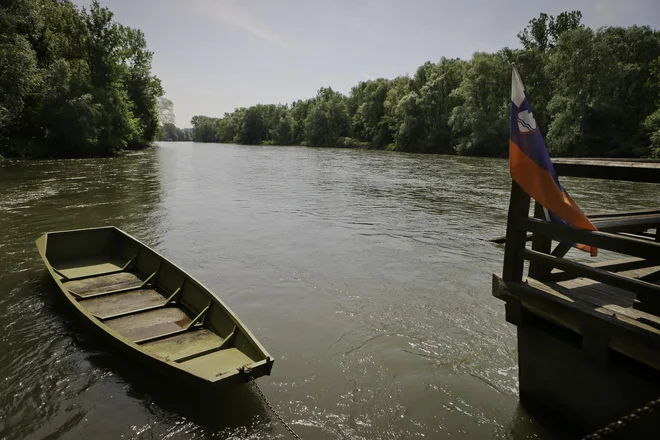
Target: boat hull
<point>151,310</point>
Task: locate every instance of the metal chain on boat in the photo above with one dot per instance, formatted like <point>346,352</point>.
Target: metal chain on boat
<point>272,409</point>
<point>648,407</point>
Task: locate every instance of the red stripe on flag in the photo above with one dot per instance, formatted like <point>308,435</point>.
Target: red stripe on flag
<point>539,184</point>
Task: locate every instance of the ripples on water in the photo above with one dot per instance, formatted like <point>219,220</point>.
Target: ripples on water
<point>365,274</point>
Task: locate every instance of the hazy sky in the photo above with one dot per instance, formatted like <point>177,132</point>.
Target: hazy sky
<point>216,55</point>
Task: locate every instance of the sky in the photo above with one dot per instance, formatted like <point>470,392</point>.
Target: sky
<point>213,56</point>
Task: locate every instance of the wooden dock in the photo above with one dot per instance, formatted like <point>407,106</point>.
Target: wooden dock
<point>588,334</point>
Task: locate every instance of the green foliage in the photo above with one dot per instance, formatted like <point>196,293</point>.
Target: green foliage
<point>437,100</point>
<point>481,121</point>
<point>604,90</point>
<point>327,120</point>
<point>320,121</point>
<point>72,81</point>
<point>165,109</point>
<point>167,131</point>
<point>594,93</point>
<point>542,33</point>
<point>170,132</point>
<point>250,126</point>
<point>652,123</point>
<point>366,104</point>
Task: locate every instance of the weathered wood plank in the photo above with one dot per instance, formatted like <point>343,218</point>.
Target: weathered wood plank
<point>561,249</point>
<point>150,324</point>
<point>103,283</point>
<point>647,292</point>
<point>599,215</point>
<point>107,307</point>
<point>623,264</point>
<point>540,243</point>
<point>515,236</point>
<point>502,240</point>
<point>629,336</point>
<point>642,170</point>
<point>641,235</point>
<point>632,223</point>
<point>184,344</point>
<point>558,305</point>
<point>604,240</point>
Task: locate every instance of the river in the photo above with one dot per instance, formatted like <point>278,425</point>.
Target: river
<point>365,273</point>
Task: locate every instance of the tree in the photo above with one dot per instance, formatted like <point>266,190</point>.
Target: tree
<point>480,122</point>
<point>170,132</point>
<point>19,80</point>
<point>652,122</point>
<point>327,120</point>
<point>226,128</point>
<point>282,131</point>
<point>299,112</point>
<point>165,111</point>
<point>436,103</point>
<point>143,88</point>
<point>250,126</point>
<point>603,91</point>
<point>594,93</point>
<point>410,129</point>
<point>543,32</point>
<point>399,87</point>
<point>73,82</point>
<point>367,109</point>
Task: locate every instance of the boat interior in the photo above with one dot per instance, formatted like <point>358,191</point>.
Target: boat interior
<point>141,296</point>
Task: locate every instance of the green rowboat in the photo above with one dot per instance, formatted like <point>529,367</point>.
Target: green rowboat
<point>151,309</point>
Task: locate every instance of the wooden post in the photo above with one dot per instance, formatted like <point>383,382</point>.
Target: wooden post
<point>540,243</point>
<point>515,238</point>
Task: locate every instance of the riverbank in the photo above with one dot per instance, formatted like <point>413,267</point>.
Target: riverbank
<point>45,153</point>
<point>344,142</point>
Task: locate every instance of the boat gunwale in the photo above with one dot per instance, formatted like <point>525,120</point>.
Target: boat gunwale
<point>42,244</point>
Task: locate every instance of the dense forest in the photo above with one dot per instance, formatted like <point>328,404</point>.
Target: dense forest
<point>73,82</point>
<point>594,92</point>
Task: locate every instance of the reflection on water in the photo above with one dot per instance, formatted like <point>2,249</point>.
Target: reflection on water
<point>364,273</point>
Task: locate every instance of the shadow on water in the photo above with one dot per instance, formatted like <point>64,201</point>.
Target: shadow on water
<point>532,417</point>
<point>218,412</point>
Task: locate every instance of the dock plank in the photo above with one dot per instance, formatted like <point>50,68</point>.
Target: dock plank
<point>634,170</point>
<point>572,302</point>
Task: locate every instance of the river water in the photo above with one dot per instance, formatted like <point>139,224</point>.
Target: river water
<point>365,273</point>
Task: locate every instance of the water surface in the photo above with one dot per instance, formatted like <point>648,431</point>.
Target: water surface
<point>364,273</point>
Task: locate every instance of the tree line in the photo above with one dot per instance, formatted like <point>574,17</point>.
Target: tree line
<point>167,131</point>
<point>594,93</point>
<point>73,82</point>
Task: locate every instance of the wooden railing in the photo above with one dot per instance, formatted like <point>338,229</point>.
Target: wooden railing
<point>624,233</point>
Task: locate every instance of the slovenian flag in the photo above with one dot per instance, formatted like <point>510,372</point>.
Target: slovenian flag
<point>531,168</point>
